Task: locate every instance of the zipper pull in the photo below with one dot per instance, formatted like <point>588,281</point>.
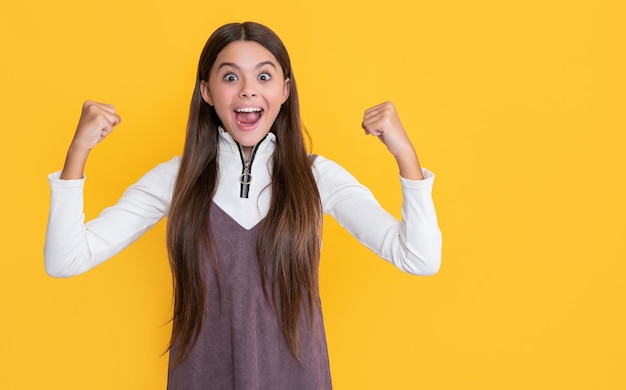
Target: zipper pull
<point>245,180</point>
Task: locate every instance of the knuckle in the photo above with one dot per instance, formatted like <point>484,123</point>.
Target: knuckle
<point>89,105</point>
<point>91,108</point>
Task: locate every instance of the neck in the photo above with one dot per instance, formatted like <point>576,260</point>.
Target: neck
<point>247,150</point>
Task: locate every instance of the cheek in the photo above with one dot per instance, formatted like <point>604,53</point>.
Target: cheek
<point>279,98</point>
<point>221,101</point>
<point>222,111</point>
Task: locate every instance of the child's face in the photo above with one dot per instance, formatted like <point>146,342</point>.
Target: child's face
<point>247,88</point>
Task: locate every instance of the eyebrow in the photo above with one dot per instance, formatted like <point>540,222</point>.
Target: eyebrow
<point>233,65</point>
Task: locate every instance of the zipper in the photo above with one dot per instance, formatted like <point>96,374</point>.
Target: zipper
<point>246,172</point>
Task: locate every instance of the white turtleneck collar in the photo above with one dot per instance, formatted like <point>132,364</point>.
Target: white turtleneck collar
<point>249,211</point>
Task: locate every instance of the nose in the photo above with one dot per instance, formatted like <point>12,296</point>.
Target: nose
<point>247,89</point>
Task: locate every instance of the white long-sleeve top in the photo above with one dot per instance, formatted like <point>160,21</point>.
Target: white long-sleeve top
<point>73,246</point>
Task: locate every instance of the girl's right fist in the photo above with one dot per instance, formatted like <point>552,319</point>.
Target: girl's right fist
<point>97,120</point>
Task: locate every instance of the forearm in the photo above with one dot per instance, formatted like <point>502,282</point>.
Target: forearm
<point>419,238</point>
<point>65,252</point>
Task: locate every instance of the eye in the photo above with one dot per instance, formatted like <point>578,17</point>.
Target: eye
<point>230,77</point>
<point>265,77</point>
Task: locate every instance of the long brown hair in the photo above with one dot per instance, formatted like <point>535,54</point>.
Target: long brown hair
<point>288,246</point>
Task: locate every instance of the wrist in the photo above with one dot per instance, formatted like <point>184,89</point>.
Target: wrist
<point>75,162</point>
<point>409,166</point>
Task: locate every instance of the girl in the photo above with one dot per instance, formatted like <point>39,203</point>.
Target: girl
<point>244,206</point>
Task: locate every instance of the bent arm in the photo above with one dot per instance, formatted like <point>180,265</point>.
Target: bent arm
<point>73,246</point>
<point>412,244</point>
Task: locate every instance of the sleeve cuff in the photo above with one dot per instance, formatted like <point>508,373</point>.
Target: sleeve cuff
<point>55,181</point>
<point>428,180</point>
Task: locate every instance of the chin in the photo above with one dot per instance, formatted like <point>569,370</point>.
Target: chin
<point>248,137</point>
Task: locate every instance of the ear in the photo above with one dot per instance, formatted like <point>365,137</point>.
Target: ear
<point>206,93</point>
<point>286,89</point>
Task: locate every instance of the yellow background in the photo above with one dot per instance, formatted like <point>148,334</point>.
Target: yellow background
<point>518,106</point>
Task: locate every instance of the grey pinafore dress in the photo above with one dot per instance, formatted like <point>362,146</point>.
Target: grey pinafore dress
<point>241,344</point>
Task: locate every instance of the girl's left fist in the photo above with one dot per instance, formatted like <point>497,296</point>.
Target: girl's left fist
<point>383,121</point>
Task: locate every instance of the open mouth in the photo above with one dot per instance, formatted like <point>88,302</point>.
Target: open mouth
<point>248,117</point>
